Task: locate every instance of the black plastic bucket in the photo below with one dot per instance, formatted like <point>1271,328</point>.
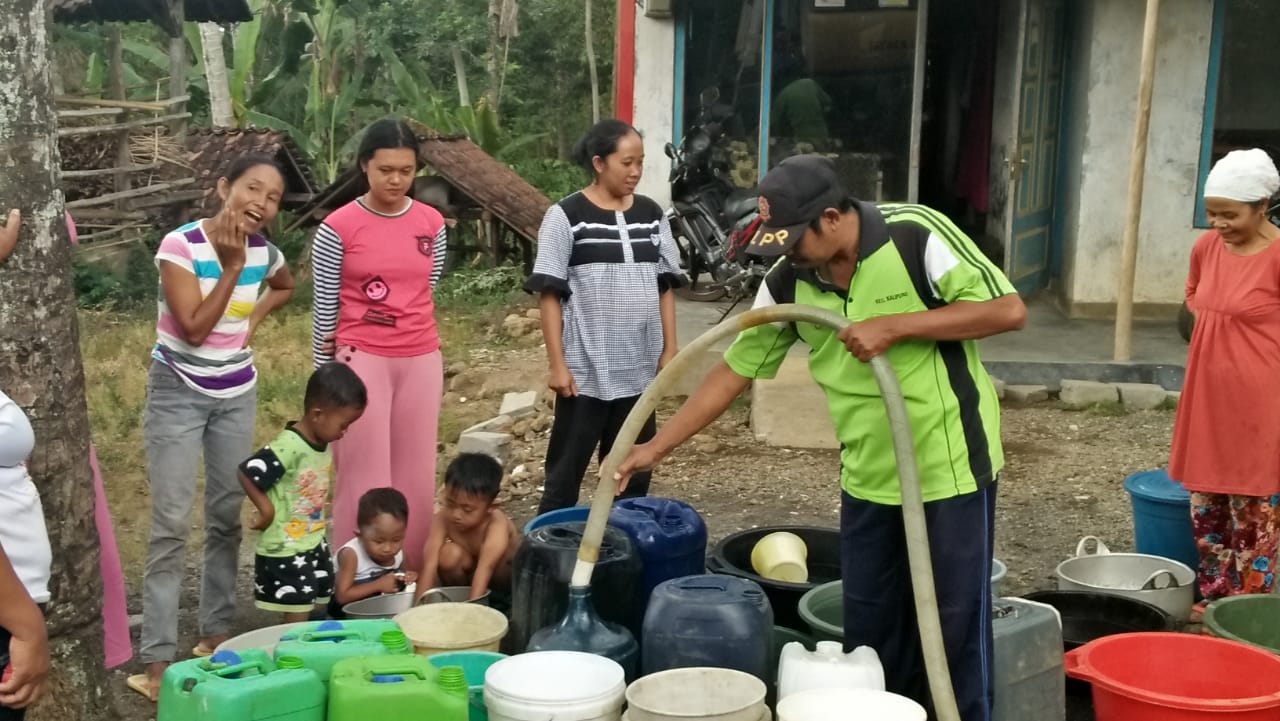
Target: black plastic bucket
<point>1089,616</point>
<point>732,556</point>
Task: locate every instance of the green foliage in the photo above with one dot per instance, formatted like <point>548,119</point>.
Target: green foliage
<point>481,287</point>
<point>100,288</point>
<point>555,178</point>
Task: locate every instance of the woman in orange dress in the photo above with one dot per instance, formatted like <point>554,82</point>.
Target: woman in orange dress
<point>1226,437</point>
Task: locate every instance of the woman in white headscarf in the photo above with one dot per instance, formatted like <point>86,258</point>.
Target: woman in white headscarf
<point>1226,438</point>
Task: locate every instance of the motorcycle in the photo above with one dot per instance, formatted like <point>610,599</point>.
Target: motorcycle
<point>711,219</point>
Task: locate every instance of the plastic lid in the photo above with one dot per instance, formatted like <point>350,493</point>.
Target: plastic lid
<point>1156,486</point>
<point>555,676</point>
<point>226,658</point>
<point>330,626</point>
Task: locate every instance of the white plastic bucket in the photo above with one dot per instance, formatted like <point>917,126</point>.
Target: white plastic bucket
<point>554,686</point>
<point>849,705</point>
<point>704,694</point>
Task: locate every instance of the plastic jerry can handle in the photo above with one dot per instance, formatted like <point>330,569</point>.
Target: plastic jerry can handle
<point>235,670</point>
<point>400,673</point>
<point>331,636</point>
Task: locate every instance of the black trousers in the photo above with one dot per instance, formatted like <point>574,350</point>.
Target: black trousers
<point>582,425</point>
<point>879,610</point>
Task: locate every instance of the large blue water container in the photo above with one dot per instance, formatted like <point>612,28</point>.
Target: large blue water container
<point>708,620</point>
<point>1162,517</point>
<point>669,535</point>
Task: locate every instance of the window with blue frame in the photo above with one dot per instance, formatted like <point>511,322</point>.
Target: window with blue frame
<point>1242,102</point>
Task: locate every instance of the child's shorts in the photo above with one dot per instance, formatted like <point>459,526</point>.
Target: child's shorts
<point>293,584</point>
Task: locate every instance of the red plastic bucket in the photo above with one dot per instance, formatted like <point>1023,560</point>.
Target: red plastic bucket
<point>1177,677</point>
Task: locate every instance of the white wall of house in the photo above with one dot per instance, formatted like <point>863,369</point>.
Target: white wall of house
<point>654,93</point>
<point>1099,113</point>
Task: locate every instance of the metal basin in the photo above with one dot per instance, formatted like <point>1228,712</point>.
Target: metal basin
<point>452,594</point>
<point>384,606</point>
<point>1161,582</point>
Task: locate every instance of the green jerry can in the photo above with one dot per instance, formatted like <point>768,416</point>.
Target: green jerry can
<point>321,645</point>
<point>245,686</point>
<point>396,687</point>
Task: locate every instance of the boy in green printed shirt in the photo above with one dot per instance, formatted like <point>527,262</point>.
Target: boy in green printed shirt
<point>288,483</point>
<point>917,291</point>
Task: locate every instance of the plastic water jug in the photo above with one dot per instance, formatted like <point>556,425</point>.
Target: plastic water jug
<point>543,566</point>
<point>321,645</point>
<point>1028,674</point>
<point>708,621</point>
<point>396,687</point>
<point>827,666</point>
<point>670,537</point>
<point>247,686</point>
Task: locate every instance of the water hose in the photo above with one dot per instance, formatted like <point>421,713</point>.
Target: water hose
<point>917,537</point>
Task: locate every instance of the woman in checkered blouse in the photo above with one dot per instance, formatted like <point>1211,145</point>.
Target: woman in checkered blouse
<point>606,266</point>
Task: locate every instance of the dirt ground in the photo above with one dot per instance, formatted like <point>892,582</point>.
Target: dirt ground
<point>1062,481</point>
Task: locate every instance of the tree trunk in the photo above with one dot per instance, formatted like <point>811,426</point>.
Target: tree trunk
<point>215,71</point>
<point>591,62</point>
<point>40,365</point>
<point>460,70</point>
<point>493,59</point>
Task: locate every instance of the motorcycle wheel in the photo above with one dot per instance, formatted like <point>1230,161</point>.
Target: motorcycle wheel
<point>700,292</point>
<point>701,288</point>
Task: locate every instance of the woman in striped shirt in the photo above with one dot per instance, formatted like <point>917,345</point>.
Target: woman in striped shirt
<point>201,397</point>
<point>376,261</point>
<point>606,266</point>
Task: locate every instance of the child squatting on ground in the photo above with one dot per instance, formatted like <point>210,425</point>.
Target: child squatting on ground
<point>472,541</point>
<point>288,483</point>
<point>371,563</point>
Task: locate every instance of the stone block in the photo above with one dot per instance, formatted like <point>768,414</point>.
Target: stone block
<point>1026,394</point>
<point>1141,396</point>
<point>1173,397</point>
<point>1083,394</point>
<point>1000,387</point>
<point>497,445</point>
<point>517,405</point>
<point>493,425</point>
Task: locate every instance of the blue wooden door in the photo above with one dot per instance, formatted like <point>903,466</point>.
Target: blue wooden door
<point>1035,163</point>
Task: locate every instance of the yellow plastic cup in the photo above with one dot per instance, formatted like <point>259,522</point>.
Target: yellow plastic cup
<point>781,556</point>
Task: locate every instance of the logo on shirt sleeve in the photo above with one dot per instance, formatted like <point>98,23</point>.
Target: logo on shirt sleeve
<point>376,289</point>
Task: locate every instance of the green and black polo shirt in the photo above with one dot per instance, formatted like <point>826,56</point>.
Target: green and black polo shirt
<point>910,259</point>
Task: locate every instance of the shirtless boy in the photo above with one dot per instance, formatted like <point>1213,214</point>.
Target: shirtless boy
<point>472,541</point>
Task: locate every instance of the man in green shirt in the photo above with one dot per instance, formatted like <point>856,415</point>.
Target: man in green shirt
<point>919,292</point>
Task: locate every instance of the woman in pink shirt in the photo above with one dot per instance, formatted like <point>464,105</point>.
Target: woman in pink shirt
<point>376,261</point>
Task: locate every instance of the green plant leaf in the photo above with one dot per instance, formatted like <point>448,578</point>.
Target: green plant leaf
<point>94,73</point>
<point>305,142</point>
<point>505,152</point>
<point>242,62</point>
<point>156,58</point>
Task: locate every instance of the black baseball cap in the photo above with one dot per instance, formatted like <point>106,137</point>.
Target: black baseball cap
<point>792,195</point>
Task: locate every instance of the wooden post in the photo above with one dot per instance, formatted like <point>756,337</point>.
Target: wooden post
<point>1137,169</point>
<point>115,81</point>
<point>177,64</point>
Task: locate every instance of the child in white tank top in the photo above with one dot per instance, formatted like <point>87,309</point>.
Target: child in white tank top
<point>370,564</point>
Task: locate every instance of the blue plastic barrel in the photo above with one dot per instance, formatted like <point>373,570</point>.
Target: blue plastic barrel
<point>563,515</point>
<point>1162,517</point>
<point>669,535</point>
